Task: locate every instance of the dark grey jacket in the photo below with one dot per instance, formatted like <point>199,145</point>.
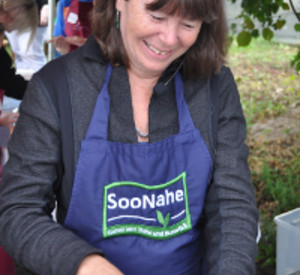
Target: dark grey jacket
<point>44,151</point>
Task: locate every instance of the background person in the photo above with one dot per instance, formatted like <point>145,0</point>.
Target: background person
<point>14,15</point>
<point>154,190</point>
<point>72,25</point>
<point>29,56</point>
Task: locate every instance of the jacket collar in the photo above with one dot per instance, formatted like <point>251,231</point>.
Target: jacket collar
<point>92,50</point>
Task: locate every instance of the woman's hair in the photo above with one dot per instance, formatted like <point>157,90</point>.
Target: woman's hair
<point>24,13</point>
<point>208,53</point>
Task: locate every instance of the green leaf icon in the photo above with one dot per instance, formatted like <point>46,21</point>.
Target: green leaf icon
<point>160,217</point>
<point>163,221</point>
<point>167,219</point>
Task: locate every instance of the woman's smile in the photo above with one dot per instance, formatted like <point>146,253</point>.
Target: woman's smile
<point>156,50</point>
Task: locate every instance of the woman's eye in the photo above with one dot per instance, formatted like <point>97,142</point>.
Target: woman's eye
<point>157,18</point>
<point>188,26</point>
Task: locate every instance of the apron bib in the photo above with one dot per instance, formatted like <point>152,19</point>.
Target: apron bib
<point>141,203</point>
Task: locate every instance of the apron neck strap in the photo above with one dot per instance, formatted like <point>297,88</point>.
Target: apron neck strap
<point>98,127</point>
<point>186,123</point>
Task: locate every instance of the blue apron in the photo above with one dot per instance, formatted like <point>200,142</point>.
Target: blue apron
<point>141,203</point>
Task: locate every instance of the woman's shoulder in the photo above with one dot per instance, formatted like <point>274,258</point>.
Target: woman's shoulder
<point>52,71</point>
<point>63,65</point>
<point>223,81</point>
<point>224,74</point>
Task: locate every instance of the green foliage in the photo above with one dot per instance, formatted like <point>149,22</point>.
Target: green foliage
<point>279,24</point>
<point>296,61</point>
<point>265,12</point>
<point>281,188</point>
<point>244,38</point>
<point>282,191</point>
<point>297,27</point>
<point>269,90</point>
<point>267,244</point>
<point>266,82</point>
<point>267,34</point>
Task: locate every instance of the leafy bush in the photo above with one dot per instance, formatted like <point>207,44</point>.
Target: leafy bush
<point>262,19</point>
<point>270,91</point>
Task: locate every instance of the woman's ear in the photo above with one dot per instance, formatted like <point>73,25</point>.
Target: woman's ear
<point>119,5</point>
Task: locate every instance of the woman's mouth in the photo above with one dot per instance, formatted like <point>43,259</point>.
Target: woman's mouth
<point>155,50</point>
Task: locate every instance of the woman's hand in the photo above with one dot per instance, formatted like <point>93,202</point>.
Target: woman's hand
<point>97,265</point>
<point>9,119</point>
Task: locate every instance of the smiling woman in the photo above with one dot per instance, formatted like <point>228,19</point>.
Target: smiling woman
<point>140,137</point>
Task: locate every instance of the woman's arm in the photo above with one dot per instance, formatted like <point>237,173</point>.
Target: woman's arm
<point>27,230</point>
<point>230,208</point>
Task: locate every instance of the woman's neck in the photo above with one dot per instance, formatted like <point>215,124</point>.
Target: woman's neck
<point>146,82</point>
<point>141,89</point>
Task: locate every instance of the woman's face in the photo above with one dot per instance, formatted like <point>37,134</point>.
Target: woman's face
<point>3,17</point>
<point>6,18</point>
<point>153,39</point>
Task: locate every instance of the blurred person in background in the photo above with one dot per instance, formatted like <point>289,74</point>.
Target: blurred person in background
<point>30,57</point>
<point>72,25</point>
<point>20,15</point>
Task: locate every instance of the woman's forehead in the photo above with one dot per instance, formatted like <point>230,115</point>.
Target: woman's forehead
<point>185,8</point>
<point>204,10</point>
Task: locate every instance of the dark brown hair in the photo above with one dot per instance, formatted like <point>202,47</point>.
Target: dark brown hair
<point>204,57</point>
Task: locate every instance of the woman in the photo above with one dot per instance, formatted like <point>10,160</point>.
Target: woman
<point>151,195</point>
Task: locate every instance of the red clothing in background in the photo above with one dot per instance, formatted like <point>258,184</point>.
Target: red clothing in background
<point>77,21</point>
<point>6,264</point>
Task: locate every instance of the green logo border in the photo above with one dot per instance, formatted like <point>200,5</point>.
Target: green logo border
<point>153,232</point>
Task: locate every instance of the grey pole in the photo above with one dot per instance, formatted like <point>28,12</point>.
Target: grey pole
<point>51,17</point>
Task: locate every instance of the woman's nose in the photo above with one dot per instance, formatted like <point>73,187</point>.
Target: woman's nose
<point>169,34</point>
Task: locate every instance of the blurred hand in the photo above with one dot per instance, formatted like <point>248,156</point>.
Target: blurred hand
<point>9,119</point>
<point>76,40</point>
<point>97,265</point>
<point>44,15</point>
<point>63,44</point>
